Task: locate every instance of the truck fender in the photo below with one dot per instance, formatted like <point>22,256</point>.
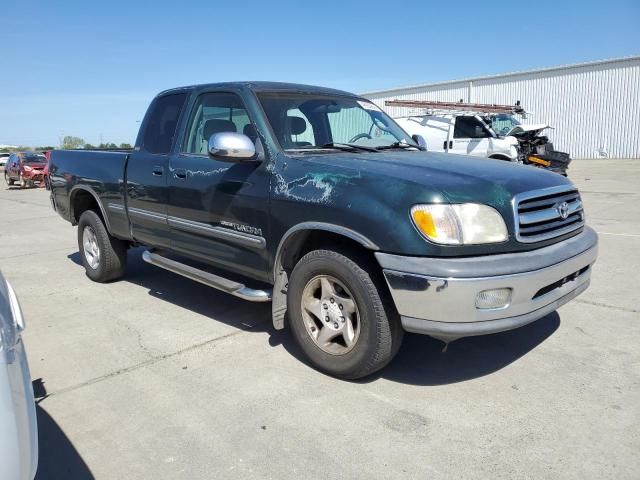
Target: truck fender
<point>280,275</point>
<point>91,191</point>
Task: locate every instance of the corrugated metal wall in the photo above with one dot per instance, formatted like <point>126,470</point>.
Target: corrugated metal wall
<point>594,107</point>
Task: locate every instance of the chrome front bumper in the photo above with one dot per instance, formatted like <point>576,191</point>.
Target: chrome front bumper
<point>438,296</point>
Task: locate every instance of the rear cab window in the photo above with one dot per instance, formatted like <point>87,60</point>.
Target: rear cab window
<point>160,128</point>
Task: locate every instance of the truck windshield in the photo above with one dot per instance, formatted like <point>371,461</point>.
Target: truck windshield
<point>309,122</point>
<point>501,123</point>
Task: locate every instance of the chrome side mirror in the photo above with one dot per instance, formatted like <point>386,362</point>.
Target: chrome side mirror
<point>231,146</point>
<point>419,139</point>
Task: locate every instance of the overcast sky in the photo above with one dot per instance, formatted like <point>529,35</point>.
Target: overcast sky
<point>89,69</point>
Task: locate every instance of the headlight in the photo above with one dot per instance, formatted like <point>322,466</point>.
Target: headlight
<point>27,168</point>
<point>463,224</point>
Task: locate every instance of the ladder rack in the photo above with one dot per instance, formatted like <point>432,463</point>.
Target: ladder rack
<point>458,106</point>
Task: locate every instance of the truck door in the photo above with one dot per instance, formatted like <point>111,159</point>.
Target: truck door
<point>147,171</point>
<point>218,210</point>
<point>470,137</point>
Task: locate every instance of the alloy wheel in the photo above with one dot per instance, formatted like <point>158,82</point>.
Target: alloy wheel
<point>330,315</point>
<point>90,247</point>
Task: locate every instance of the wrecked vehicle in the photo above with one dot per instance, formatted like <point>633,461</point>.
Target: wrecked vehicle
<point>532,147</point>
<point>317,201</point>
<point>25,168</point>
<point>482,130</point>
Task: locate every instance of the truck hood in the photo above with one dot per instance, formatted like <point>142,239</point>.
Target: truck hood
<point>535,128</point>
<point>430,177</point>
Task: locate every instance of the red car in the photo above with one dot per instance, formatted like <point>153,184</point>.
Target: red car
<point>25,169</point>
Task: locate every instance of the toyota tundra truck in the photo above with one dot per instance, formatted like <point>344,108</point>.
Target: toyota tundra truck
<point>315,200</point>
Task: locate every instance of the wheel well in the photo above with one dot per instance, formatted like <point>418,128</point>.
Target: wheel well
<point>302,242</point>
<point>499,157</point>
<point>81,202</point>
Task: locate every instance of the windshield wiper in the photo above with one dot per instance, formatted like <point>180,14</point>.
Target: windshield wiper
<point>402,145</point>
<point>349,147</point>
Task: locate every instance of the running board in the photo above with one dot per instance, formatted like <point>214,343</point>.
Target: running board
<point>228,286</point>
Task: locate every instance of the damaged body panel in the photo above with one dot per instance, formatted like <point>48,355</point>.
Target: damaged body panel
<point>535,149</point>
<point>242,186</point>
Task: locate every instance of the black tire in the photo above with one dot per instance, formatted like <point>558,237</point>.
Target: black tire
<point>22,182</point>
<point>380,333</point>
<point>8,179</point>
<point>112,251</point>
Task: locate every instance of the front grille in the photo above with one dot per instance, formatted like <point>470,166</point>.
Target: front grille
<point>539,214</point>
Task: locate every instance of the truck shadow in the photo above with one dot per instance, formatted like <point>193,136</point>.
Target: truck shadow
<point>420,360</point>
<point>57,457</point>
<point>191,295</point>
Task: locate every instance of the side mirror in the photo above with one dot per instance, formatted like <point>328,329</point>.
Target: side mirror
<point>231,146</point>
<point>419,139</point>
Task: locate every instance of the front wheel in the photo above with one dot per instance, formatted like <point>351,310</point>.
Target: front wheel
<point>8,179</point>
<point>340,316</point>
<point>104,257</point>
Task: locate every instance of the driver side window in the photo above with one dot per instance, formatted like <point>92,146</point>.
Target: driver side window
<point>469,127</point>
<point>216,113</point>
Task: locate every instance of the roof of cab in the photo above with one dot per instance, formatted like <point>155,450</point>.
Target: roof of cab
<point>264,87</point>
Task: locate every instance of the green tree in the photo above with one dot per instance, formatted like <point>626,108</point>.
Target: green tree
<point>88,146</point>
<point>125,145</point>
<point>70,142</point>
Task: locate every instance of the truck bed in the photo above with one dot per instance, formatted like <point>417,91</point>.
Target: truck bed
<point>101,170</point>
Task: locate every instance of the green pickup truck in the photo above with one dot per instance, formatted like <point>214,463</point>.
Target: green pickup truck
<point>315,200</point>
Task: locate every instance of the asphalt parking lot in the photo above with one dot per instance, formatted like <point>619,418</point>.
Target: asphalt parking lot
<point>156,376</point>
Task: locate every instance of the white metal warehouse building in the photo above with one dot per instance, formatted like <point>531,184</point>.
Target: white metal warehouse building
<point>594,107</point>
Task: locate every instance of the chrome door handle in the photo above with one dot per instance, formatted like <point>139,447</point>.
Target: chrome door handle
<point>180,173</point>
<point>157,171</point>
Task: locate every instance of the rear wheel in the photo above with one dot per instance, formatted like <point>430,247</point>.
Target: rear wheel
<point>340,316</point>
<point>104,257</point>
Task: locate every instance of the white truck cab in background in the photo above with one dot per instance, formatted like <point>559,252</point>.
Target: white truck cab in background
<point>467,133</point>
<point>482,130</point>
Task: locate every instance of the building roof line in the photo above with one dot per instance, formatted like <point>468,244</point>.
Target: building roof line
<point>503,75</point>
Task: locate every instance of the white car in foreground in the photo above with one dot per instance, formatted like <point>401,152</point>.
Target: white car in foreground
<point>18,425</point>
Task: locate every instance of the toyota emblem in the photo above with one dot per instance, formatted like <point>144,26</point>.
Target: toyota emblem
<point>563,210</point>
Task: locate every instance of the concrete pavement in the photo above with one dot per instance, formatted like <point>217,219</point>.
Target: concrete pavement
<point>156,376</point>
